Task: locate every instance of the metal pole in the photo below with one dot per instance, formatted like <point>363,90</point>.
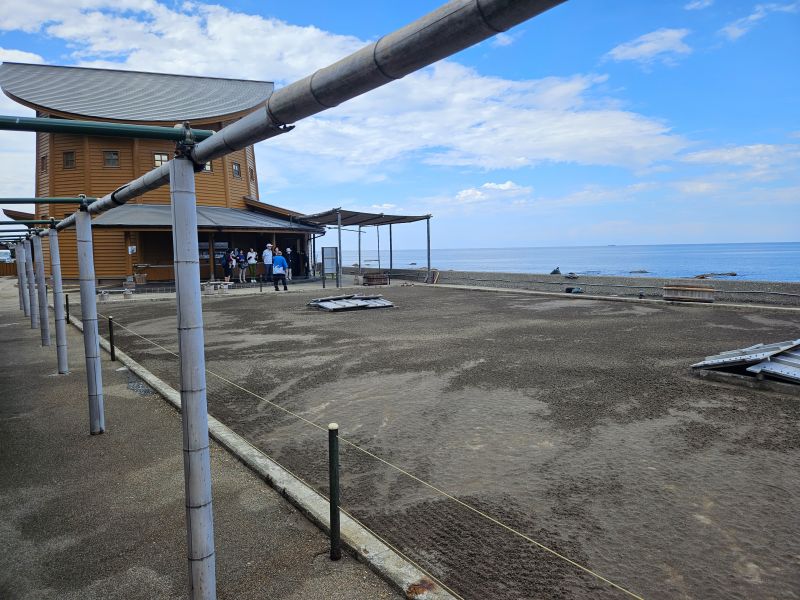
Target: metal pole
<point>314,253</point>
<point>333,478</point>
<point>391,262</point>
<point>428,222</point>
<point>66,305</point>
<point>91,340</point>
<point>34,305</point>
<point>378,229</point>
<point>339,251</point>
<point>22,280</point>
<point>41,288</point>
<point>111,338</point>
<point>194,412</point>
<point>359,250</point>
<point>58,306</point>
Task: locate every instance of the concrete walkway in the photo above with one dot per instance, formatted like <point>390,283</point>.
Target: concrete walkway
<point>103,516</point>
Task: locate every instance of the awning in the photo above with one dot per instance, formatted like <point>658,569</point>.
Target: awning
<point>354,218</point>
<point>208,217</point>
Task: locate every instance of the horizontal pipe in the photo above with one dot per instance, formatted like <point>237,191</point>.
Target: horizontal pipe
<point>48,125</point>
<point>26,222</point>
<point>441,33</point>
<point>43,200</point>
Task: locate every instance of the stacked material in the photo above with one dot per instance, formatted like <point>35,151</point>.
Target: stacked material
<point>780,360</point>
<point>350,302</point>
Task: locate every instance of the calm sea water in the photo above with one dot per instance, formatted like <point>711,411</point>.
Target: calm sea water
<point>767,262</point>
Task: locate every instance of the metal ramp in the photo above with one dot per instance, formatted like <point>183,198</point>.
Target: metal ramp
<point>780,360</point>
<point>350,302</point>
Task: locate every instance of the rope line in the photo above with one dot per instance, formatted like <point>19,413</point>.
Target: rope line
<point>406,473</point>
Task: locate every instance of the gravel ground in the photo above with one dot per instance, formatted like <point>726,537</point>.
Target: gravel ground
<point>575,423</point>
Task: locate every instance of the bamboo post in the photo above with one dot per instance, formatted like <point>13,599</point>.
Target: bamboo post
<point>194,412</point>
<point>91,341</point>
<point>58,303</point>
<point>34,305</point>
<point>41,289</point>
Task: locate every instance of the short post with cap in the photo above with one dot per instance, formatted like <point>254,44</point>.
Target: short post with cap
<point>333,476</point>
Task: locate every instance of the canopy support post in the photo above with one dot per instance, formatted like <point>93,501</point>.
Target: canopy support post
<point>22,277</point>
<point>428,223</point>
<point>391,261</point>
<point>339,252</point>
<point>34,305</point>
<point>378,230</point>
<point>91,341</point>
<point>194,408</point>
<point>359,251</point>
<point>58,302</point>
<point>41,289</point>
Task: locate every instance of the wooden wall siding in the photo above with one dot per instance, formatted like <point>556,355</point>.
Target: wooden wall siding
<point>251,164</point>
<point>238,185</point>
<point>42,179</point>
<point>8,269</point>
<point>109,253</point>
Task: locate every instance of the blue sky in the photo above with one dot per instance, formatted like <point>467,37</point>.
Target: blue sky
<point>622,122</point>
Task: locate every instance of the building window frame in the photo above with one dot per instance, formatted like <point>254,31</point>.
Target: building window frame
<point>108,160</point>
<point>160,158</point>
<point>69,160</point>
<point>252,173</point>
<point>208,168</point>
<point>43,163</point>
<point>237,170</point>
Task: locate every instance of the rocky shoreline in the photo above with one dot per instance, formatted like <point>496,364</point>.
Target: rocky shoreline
<point>729,290</point>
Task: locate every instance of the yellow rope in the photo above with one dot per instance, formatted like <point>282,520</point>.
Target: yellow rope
<point>414,477</point>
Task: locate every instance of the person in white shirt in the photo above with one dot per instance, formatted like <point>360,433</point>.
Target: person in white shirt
<point>266,256</point>
<point>251,264</point>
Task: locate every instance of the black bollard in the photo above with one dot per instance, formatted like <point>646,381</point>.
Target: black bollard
<point>66,305</point>
<point>111,338</point>
<point>261,283</point>
<point>333,476</point>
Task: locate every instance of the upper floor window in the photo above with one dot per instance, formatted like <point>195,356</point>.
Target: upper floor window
<point>237,170</point>
<point>69,160</point>
<point>252,173</point>
<point>207,167</point>
<point>111,158</point>
<point>160,158</point>
<point>43,163</point>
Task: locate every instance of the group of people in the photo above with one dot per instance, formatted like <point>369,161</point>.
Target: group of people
<point>278,266</point>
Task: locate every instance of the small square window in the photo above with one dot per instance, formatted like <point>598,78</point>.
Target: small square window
<point>160,158</point>
<point>43,164</point>
<point>69,160</point>
<point>207,167</point>
<point>252,173</point>
<point>237,170</point>
<point>110,158</point>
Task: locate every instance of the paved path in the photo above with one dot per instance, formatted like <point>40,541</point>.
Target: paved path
<point>102,516</point>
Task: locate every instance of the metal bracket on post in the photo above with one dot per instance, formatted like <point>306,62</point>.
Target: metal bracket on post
<point>91,341</point>
<point>194,407</point>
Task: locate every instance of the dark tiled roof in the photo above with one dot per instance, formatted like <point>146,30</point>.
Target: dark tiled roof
<point>160,215</point>
<point>130,95</point>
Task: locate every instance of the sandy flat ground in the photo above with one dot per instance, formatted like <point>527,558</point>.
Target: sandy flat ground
<point>575,423</point>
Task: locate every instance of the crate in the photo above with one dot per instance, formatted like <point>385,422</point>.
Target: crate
<point>376,279</point>
<point>685,293</point>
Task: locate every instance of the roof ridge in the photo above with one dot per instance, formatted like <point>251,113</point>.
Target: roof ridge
<point>77,67</point>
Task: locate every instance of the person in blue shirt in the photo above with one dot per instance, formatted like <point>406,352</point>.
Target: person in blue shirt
<point>279,267</point>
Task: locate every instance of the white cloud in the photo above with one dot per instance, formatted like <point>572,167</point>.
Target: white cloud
<point>10,55</point>
<point>384,206</point>
<point>698,4</point>
<point>502,40</point>
<point>754,161</point>
<point>739,27</point>
<point>662,45</point>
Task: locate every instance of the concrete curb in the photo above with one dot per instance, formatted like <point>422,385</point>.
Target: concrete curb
<point>578,297</point>
<point>365,545</point>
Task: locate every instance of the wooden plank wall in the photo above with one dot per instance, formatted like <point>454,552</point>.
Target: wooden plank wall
<point>8,269</point>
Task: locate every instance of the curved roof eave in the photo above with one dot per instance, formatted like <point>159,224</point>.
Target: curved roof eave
<point>130,96</point>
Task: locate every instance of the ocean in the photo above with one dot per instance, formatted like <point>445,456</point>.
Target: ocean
<point>765,262</point>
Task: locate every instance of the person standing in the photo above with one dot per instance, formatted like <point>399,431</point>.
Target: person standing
<point>227,266</point>
<point>242,262</point>
<point>290,262</point>
<point>279,268</point>
<point>251,264</point>
<point>266,256</point>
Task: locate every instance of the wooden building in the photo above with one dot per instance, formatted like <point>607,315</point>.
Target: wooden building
<point>136,238</point>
